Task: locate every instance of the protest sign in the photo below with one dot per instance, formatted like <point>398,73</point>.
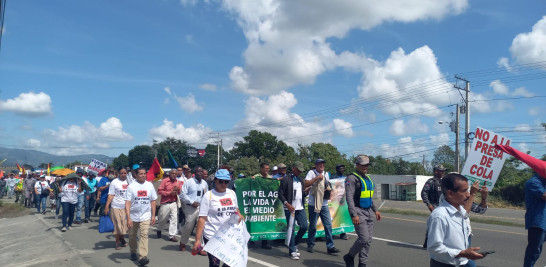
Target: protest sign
<point>97,166</point>
<point>229,244</point>
<point>264,213</point>
<point>484,162</point>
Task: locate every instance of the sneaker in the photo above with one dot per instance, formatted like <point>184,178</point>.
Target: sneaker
<point>333,250</point>
<point>298,252</point>
<point>144,261</point>
<point>310,250</point>
<point>294,256</point>
<point>90,220</point>
<point>69,228</point>
<point>349,261</point>
<point>63,229</point>
<point>158,234</point>
<point>134,257</point>
<point>85,220</point>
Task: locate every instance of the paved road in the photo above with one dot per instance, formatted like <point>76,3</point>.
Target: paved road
<point>397,242</point>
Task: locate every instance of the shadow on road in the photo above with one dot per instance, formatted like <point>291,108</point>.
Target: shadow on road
<point>311,263</point>
<point>406,246</point>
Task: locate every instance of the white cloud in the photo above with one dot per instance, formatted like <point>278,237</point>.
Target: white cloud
<point>34,143</point>
<point>522,128</point>
<point>208,87</point>
<point>504,62</point>
<point>197,133</point>
<point>409,148</point>
<point>167,90</point>
<point>287,40</point>
<point>523,147</point>
<point>413,126</point>
<point>408,84</point>
<point>343,128</point>
<point>30,104</point>
<point>499,87</point>
<point>530,47</point>
<point>188,103</point>
<point>521,91</point>
<point>86,138</point>
<point>273,115</point>
<point>481,104</point>
<point>534,111</point>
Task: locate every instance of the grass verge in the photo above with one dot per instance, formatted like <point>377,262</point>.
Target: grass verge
<point>473,219</point>
<point>11,210</point>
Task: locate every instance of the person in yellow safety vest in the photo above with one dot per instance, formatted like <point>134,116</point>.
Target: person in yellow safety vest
<point>359,189</point>
<point>19,189</point>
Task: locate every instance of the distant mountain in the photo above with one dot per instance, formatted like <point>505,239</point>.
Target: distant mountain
<point>35,158</point>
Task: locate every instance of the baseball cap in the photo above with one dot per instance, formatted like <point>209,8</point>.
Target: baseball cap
<point>439,167</point>
<point>136,166</point>
<point>362,160</point>
<point>222,174</point>
<point>298,165</point>
<point>186,166</point>
<point>275,168</point>
<point>339,165</point>
<point>281,166</point>
<point>317,161</point>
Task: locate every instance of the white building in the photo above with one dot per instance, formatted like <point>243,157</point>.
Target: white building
<point>398,187</point>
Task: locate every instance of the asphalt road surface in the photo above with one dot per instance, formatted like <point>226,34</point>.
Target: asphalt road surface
<point>397,242</point>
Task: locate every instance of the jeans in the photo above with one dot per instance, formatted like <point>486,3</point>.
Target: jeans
<point>470,263</point>
<point>58,206</point>
<point>326,222</point>
<point>79,206</point>
<point>89,204</point>
<point>41,200</point>
<point>301,218</point>
<point>535,240</point>
<point>2,191</point>
<point>68,213</point>
<point>11,189</point>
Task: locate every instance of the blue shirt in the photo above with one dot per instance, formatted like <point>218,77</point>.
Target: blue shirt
<point>104,193</point>
<point>92,183</point>
<point>447,234</point>
<point>535,216</point>
<point>193,191</point>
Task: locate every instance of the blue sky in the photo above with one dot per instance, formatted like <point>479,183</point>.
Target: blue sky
<point>80,77</point>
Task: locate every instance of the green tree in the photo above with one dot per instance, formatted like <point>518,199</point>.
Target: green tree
<point>261,145</point>
<point>142,155</point>
<point>121,161</point>
<point>446,156</point>
<point>245,165</point>
<point>309,153</point>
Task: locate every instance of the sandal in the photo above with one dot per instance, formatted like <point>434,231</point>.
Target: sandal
<point>118,245</point>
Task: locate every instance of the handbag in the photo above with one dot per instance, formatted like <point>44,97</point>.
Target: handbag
<point>105,224</point>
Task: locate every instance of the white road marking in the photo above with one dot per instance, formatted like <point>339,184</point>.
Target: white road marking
<point>393,241</point>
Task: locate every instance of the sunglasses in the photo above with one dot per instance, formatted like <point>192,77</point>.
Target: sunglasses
<point>223,181</point>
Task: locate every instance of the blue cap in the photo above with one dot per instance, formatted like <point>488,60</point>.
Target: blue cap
<point>136,166</point>
<point>222,174</point>
<point>319,161</point>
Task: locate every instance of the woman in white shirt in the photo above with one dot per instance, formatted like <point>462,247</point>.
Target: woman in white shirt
<point>69,191</point>
<point>216,208</point>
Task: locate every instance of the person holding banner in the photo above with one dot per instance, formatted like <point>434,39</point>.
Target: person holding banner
<point>216,208</point>
<point>318,206</point>
<point>291,194</point>
<point>359,189</point>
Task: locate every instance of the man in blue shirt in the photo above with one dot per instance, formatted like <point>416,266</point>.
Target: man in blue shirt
<point>103,187</point>
<point>535,217</point>
<point>90,196</point>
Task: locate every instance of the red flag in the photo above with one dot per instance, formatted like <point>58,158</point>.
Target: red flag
<point>1,173</point>
<point>536,164</point>
<point>155,172</point>
<point>19,167</point>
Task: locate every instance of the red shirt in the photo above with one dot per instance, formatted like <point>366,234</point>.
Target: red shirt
<point>165,189</point>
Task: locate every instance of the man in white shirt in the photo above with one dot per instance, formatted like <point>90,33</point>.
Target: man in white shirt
<point>139,206</point>
<point>116,198</point>
<point>191,195</point>
<point>451,248</point>
<point>318,178</point>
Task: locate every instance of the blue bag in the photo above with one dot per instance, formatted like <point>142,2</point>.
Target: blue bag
<point>105,224</point>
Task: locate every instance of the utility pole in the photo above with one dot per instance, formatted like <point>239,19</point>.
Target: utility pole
<point>466,110</point>
<point>216,135</point>
<point>457,153</point>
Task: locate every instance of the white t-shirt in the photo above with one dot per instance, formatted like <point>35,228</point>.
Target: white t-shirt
<point>141,195</point>
<point>70,192</point>
<point>310,176</point>
<point>296,202</point>
<point>118,189</point>
<point>44,185</point>
<point>218,207</point>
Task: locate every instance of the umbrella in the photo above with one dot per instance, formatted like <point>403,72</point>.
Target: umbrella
<point>56,168</point>
<point>62,172</point>
<point>73,176</point>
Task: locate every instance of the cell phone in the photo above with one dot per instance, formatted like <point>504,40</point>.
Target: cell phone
<point>485,253</point>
